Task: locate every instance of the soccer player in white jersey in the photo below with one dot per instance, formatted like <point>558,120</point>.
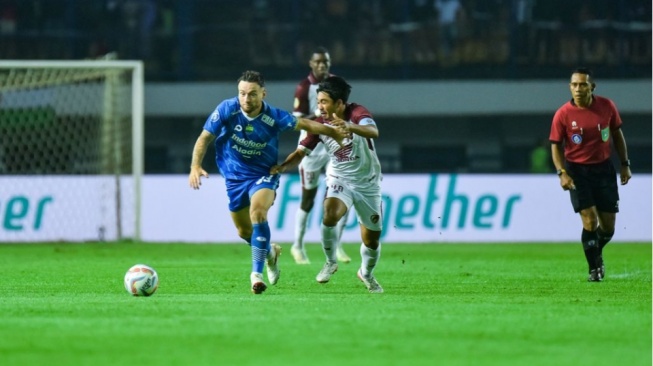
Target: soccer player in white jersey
<point>311,167</point>
<point>246,134</point>
<point>353,177</point>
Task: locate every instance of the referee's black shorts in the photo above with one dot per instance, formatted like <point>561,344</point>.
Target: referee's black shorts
<point>596,185</point>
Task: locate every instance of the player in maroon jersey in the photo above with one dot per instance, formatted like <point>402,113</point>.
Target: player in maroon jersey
<point>580,147</point>
<point>311,167</point>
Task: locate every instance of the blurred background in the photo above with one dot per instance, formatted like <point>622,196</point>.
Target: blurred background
<point>501,47</point>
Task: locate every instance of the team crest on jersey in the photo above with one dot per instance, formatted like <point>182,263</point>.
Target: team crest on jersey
<point>344,153</point>
<point>576,138</point>
<point>574,125</point>
<point>249,129</point>
<point>375,218</point>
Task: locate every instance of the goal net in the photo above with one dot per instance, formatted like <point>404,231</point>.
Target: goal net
<point>71,150</point>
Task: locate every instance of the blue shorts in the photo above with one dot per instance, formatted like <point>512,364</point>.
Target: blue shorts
<point>239,191</point>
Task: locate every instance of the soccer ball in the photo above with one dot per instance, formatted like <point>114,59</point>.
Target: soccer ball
<point>141,280</point>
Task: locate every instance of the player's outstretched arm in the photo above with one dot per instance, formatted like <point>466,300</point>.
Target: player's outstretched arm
<point>317,128</point>
<point>367,131</point>
<point>291,162</point>
<point>196,170</point>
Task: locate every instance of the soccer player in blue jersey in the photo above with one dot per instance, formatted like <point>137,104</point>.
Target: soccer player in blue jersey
<point>246,131</point>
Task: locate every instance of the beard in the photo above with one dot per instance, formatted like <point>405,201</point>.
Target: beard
<point>250,108</point>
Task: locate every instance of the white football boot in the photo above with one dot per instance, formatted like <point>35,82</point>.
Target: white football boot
<point>370,282</point>
<point>258,286</point>
<point>299,255</point>
<point>325,274</point>
<point>341,255</point>
<point>272,265</point>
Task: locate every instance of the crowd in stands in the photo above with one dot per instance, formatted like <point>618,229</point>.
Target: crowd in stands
<point>213,39</point>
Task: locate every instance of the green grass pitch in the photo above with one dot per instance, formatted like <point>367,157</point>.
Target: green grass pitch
<point>444,304</point>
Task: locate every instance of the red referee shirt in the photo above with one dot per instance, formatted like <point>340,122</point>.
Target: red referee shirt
<point>585,132</point>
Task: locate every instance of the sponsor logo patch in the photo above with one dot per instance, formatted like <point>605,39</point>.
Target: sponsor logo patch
<point>605,134</point>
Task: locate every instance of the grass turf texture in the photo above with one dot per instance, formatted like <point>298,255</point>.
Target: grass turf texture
<point>446,304</point>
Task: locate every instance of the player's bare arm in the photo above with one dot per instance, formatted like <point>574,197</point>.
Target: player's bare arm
<point>317,128</point>
<point>367,131</point>
<point>620,145</point>
<point>566,182</point>
<point>291,162</point>
<point>196,170</point>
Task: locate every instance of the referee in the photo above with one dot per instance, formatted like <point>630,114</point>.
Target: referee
<point>580,147</point>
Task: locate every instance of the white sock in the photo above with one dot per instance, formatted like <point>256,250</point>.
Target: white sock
<point>301,219</point>
<point>369,258</point>
<point>329,242</point>
<point>340,227</point>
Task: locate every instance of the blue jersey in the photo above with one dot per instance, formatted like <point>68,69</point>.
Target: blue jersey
<point>247,148</point>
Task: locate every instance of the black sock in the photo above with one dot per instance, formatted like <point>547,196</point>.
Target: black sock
<point>604,237</point>
<point>590,242</point>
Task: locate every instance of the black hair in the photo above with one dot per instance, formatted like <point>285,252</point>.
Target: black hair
<point>586,71</point>
<point>583,70</point>
<point>321,50</point>
<point>251,76</point>
<point>336,87</point>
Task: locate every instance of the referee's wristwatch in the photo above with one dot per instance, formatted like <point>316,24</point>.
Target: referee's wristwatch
<point>625,162</point>
<point>560,171</point>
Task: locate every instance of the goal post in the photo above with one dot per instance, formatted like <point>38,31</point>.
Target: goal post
<point>71,150</point>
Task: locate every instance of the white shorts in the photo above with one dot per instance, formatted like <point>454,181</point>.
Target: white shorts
<point>311,167</point>
<point>366,201</point>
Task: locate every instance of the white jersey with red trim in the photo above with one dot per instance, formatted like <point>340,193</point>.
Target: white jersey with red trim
<point>355,161</point>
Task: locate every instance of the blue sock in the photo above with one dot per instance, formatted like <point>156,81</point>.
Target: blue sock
<point>260,245</point>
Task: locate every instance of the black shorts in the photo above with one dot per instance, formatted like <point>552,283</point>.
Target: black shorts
<point>596,185</point>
